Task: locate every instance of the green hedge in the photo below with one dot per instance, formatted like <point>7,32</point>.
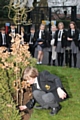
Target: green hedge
<point>12,65</point>
<point>8,109</point>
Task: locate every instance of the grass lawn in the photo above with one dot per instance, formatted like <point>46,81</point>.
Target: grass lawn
<point>70,78</point>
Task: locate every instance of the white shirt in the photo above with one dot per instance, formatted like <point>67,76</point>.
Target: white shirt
<point>53,34</point>
<point>3,39</point>
<point>72,32</point>
<point>59,39</point>
<point>13,31</point>
<point>36,81</point>
<point>40,34</point>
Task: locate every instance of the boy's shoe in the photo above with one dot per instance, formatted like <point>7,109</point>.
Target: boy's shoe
<point>55,110</point>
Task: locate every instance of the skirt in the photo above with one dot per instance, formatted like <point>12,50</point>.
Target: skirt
<point>59,48</point>
<point>74,48</point>
<point>39,48</point>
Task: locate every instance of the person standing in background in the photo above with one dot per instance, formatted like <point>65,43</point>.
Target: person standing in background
<point>72,44</point>
<point>12,32</point>
<point>4,39</point>
<point>41,40</point>
<point>23,36</point>
<point>60,39</point>
<point>52,52</point>
<point>31,39</point>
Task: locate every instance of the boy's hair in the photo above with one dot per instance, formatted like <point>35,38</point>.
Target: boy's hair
<point>30,71</point>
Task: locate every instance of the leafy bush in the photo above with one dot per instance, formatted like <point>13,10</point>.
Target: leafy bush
<point>8,109</point>
<point>12,65</point>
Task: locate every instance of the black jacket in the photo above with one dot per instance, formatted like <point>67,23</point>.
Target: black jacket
<point>43,39</point>
<point>50,38</point>
<point>63,39</point>
<point>25,37</point>
<point>7,38</point>
<point>49,83</point>
<point>32,40</point>
<point>75,37</point>
<point>9,31</point>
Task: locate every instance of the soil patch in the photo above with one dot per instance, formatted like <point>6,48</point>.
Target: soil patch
<point>27,113</point>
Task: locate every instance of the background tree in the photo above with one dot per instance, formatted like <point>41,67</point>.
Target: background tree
<point>3,12</point>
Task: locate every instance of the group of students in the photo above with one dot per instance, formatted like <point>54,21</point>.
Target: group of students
<point>60,42</point>
<point>7,38</point>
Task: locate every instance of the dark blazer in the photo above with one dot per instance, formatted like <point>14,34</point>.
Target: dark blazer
<point>63,39</point>
<point>44,38</point>
<point>25,37</point>
<point>75,37</point>
<point>49,83</point>
<point>32,40</point>
<point>50,38</point>
<point>10,38</point>
<point>7,40</point>
<point>10,31</point>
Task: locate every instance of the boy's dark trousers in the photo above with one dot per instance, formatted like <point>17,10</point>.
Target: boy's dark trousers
<point>46,100</point>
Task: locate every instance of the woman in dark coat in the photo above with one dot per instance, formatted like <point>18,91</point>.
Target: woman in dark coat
<point>51,48</point>
<point>31,39</point>
<point>72,44</point>
<point>60,39</point>
<point>41,38</point>
<point>4,39</point>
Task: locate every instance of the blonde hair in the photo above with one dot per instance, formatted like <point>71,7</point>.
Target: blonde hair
<point>53,26</point>
<point>31,72</point>
<point>22,29</point>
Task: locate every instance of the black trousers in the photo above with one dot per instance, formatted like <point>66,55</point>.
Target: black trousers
<point>50,58</point>
<point>60,58</point>
<point>32,49</point>
<point>75,59</point>
<point>68,58</point>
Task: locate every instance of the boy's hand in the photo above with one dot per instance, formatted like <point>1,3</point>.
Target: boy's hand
<point>61,93</point>
<point>22,107</point>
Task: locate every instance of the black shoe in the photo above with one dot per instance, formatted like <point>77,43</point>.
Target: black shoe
<point>54,63</point>
<point>55,110</point>
<point>38,107</point>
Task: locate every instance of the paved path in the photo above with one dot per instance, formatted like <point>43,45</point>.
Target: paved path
<point>45,58</point>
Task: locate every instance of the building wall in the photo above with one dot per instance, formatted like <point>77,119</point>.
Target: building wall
<point>65,3</point>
